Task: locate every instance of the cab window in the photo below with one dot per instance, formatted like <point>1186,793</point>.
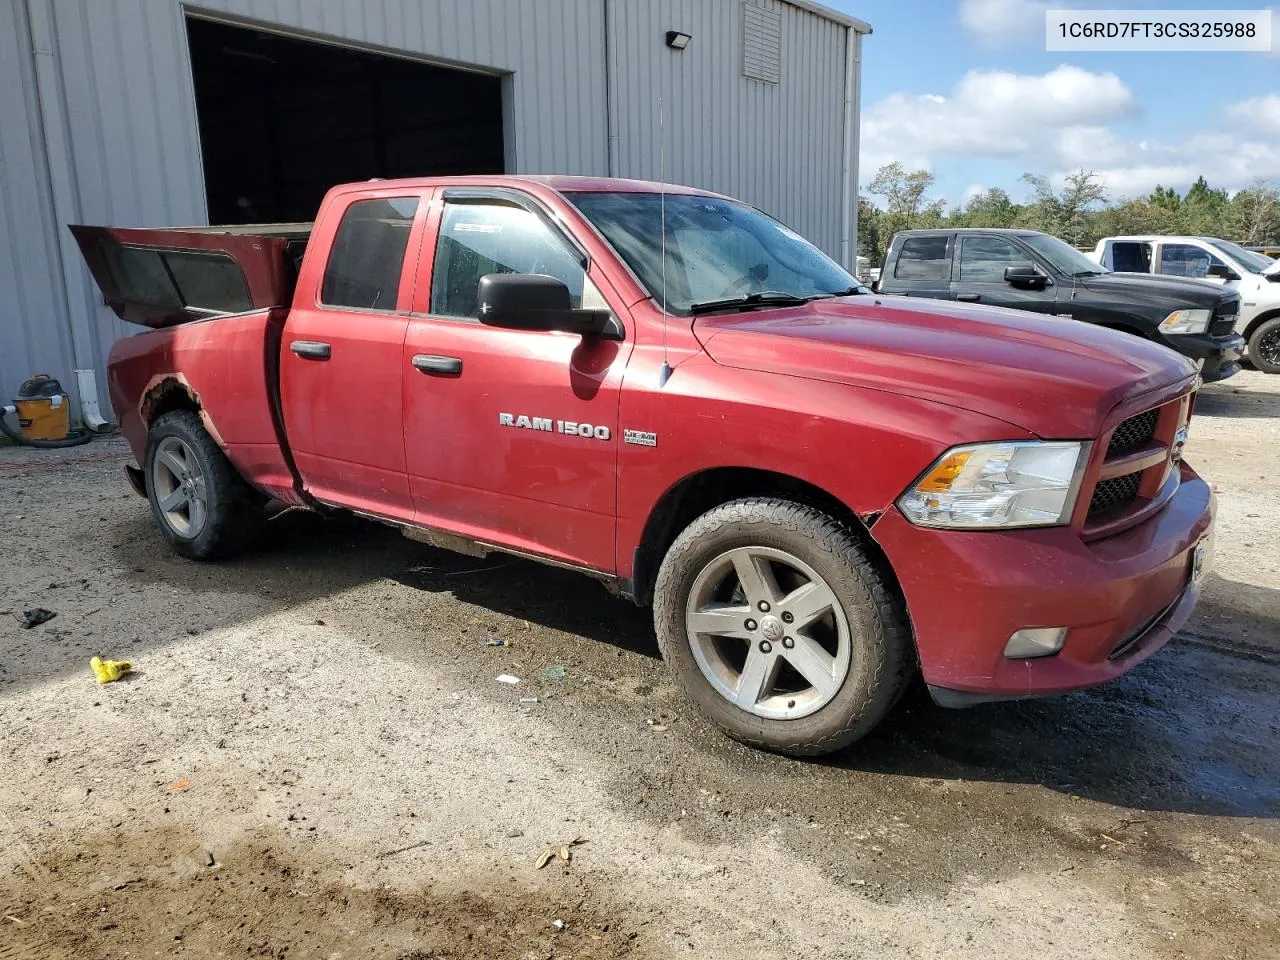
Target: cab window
<point>984,259</point>
<point>1184,260</point>
<point>477,238</point>
<point>923,258</point>
<point>365,263</point>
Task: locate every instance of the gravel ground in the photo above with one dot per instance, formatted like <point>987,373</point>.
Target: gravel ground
<point>314,759</point>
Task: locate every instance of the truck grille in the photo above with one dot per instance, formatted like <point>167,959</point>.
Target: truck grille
<point>1134,477</point>
<point>1223,322</point>
<point>1133,433</point>
<point>1116,492</point>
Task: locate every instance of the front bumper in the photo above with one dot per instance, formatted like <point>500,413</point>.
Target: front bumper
<point>1219,356</point>
<point>1122,597</point>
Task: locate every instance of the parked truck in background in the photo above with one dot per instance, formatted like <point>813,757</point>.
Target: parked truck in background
<point>1027,270</point>
<point>1251,274</point>
<point>818,490</point>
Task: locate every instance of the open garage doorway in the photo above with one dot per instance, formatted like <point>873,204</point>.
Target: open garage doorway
<point>283,119</point>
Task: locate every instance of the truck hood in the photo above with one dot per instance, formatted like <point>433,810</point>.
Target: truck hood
<point>1176,291</point>
<point>1051,376</point>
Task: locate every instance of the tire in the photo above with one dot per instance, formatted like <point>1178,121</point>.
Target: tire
<point>1264,346</point>
<point>201,504</point>
<point>796,547</point>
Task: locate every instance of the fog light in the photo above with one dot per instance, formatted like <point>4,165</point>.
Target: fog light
<point>1035,642</point>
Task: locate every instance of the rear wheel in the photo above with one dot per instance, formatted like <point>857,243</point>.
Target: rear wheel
<point>200,503</point>
<point>780,627</point>
<point>1264,346</point>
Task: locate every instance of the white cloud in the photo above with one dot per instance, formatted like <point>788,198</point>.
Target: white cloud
<point>1261,114</point>
<point>1064,120</point>
<point>1002,23</point>
<point>991,113</point>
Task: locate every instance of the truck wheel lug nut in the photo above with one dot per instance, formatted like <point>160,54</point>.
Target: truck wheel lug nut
<point>788,642</point>
<point>764,606</point>
<point>766,646</point>
<point>788,616</point>
<point>750,624</point>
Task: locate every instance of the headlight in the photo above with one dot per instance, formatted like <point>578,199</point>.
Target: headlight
<point>998,485</point>
<point>1185,321</point>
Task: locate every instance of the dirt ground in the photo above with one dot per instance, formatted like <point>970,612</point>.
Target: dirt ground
<point>314,759</point>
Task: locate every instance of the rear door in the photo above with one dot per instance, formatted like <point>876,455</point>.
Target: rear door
<point>921,267</point>
<point>979,275</point>
<point>511,435</point>
<point>1128,256</point>
<point>340,370</point>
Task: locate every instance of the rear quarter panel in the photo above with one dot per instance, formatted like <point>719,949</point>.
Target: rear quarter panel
<point>227,366</point>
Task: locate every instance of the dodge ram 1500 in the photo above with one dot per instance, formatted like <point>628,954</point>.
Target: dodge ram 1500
<point>818,491</point>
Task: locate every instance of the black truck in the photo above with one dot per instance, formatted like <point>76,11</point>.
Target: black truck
<point>1033,271</point>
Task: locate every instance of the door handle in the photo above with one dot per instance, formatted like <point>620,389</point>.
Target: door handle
<point>441,366</point>
<point>969,297</point>
<point>311,349</point>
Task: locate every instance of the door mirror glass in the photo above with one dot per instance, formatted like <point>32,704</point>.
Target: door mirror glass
<point>532,301</point>
<point>1025,276</point>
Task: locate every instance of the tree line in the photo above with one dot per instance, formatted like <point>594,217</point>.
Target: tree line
<point>1080,212</point>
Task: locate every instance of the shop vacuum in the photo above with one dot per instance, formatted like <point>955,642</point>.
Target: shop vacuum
<point>43,409</point>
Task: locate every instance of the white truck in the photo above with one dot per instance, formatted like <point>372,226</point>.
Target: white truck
<point>1256,277</point>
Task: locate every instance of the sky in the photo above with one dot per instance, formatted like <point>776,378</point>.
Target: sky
<point>966,90</point>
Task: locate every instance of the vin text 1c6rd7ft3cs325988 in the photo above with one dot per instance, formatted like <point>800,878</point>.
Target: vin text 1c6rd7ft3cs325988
<point>818,491</point>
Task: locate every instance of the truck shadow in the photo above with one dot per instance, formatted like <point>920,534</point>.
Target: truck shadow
<point>1248,394</point>
<point>1194,729</point>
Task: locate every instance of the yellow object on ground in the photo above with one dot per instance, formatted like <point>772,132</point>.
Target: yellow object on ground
<point>108,670</point>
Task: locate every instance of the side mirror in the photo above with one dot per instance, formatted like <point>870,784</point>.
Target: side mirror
<point>1222,272</point>
<point>532,301</point>
<point>1025,276</point>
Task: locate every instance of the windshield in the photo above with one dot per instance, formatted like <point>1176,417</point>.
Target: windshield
<point>1253,262</point>
<point>716,250</point>
<point>1062,256</point>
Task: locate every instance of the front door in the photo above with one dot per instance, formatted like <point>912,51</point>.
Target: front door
<point>341,381</point>
<point>511,436</point>
<point>980,275</point>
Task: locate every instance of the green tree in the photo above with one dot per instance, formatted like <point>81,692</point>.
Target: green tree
<point>1203,211</point>
<point>990,208</point>
<point>1167,198</point>
<point>1065,213</point>
<point>1253,215</point>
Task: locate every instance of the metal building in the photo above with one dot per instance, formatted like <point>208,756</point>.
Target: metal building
<point>156,112</point>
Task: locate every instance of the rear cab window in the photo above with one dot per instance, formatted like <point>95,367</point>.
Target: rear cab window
<point>923,258</point>
<point>1128,256</point>
<point>367,258</point>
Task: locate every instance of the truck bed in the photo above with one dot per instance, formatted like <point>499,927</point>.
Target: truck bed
<point>167,276</point>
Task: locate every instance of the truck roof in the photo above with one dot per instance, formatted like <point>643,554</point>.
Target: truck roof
<point>1153,237</point>
<point>944,231</point>
<point>560,183</point>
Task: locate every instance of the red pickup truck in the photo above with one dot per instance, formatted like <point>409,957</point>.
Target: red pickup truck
<point>819,490</point>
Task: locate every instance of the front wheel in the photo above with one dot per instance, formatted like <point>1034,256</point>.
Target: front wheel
<point>200,503</point>
<point>780,627</point>
<point>1264,346</point>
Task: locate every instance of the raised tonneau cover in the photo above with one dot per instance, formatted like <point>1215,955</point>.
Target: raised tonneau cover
<point>167,276</point>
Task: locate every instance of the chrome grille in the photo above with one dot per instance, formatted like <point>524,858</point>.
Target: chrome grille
<point>1133,433</point>
<point>1116,492</point>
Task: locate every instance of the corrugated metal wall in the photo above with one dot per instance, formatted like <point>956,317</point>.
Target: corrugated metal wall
<point>777,146</point>
<point>98,116</point>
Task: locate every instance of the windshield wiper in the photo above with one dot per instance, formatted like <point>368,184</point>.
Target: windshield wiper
<point>1088,273</point>
<point>749,302</point>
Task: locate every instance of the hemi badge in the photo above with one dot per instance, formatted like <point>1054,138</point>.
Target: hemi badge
<point>641,438</point>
